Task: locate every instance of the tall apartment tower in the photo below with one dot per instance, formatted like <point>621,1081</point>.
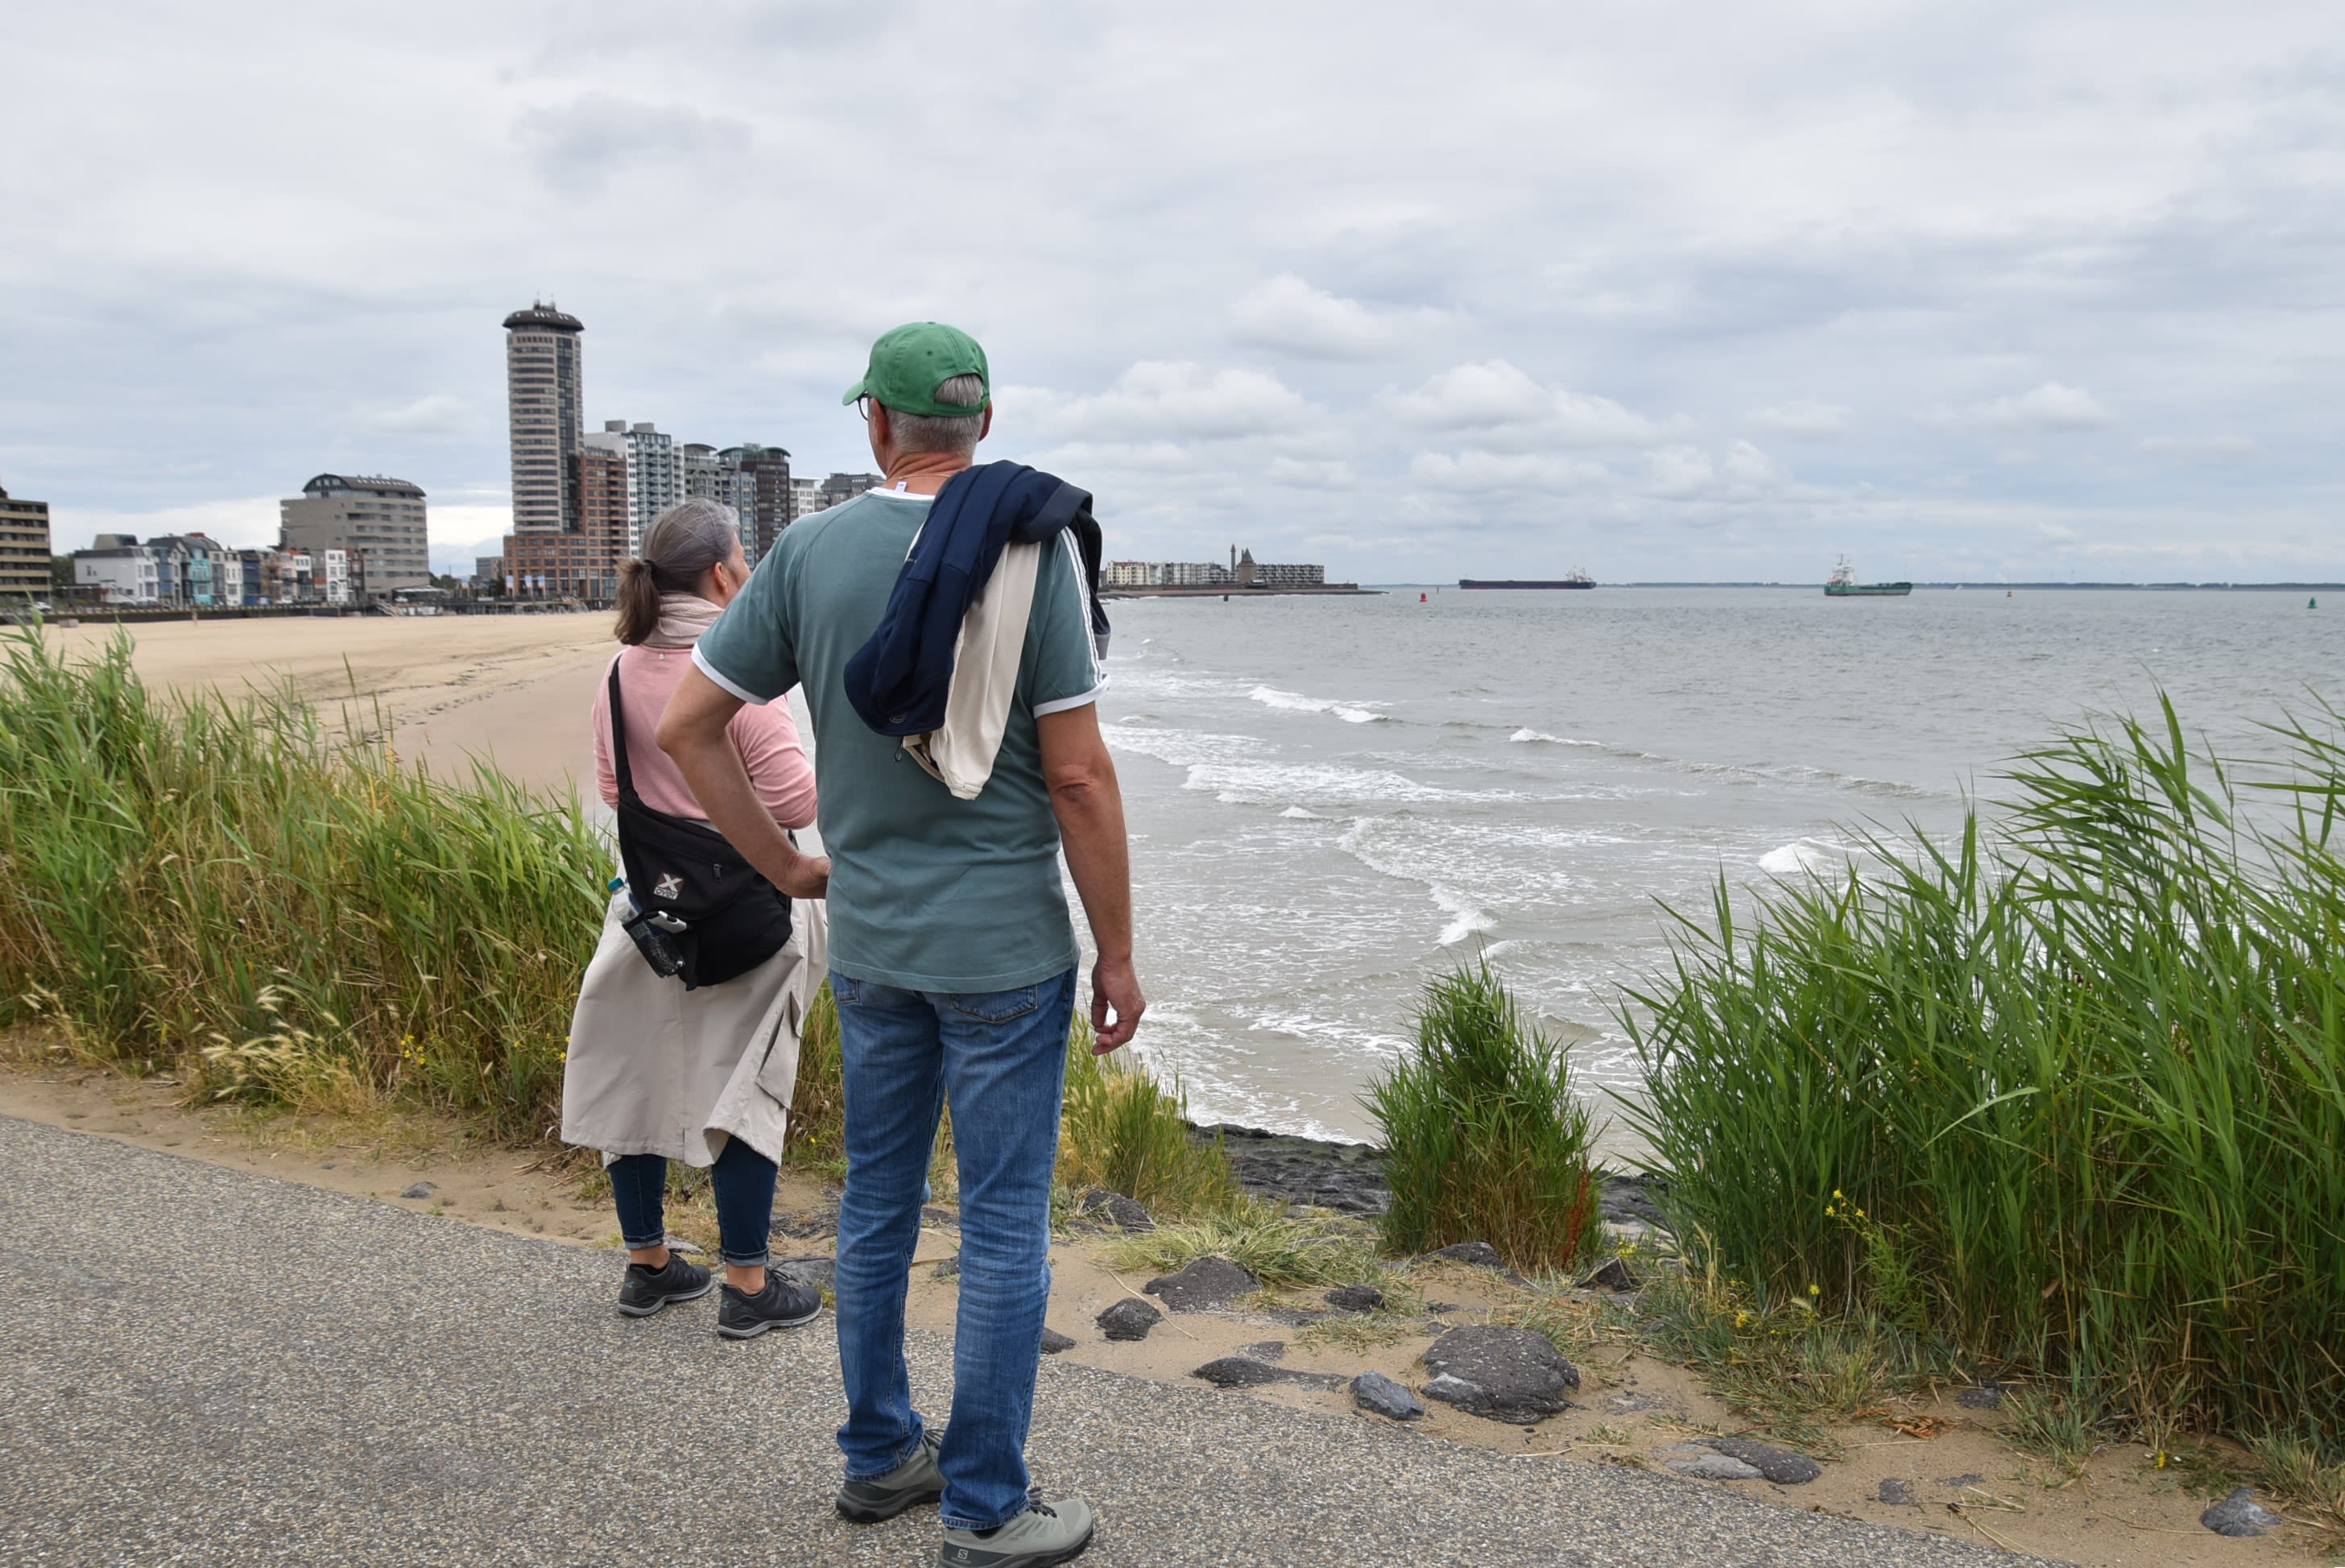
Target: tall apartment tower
<point>542,392</point>
<point>655,474</point>
<point>760,494</point>
<point>25,560</point>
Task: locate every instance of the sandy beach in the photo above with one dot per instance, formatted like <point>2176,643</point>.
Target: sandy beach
<point>513,689</point>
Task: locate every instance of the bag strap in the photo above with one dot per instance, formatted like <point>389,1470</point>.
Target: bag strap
<point>626,776</point>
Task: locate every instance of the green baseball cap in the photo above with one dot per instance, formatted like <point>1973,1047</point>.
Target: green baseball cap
<point>909,363</point>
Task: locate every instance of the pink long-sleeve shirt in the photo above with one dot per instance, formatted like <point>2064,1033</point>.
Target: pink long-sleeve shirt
<point>767,738</point>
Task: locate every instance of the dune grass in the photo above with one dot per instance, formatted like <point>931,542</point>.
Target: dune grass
<point>277,910</point>
<point>1485,1139</point>
<point>2068,1095</point>
<point>1124,1131</point>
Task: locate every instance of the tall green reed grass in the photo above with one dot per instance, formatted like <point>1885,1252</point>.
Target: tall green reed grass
<point>1122,1130</point>
<point>281,910</point>
<point>2068,1092</point>
<point>1485,1139</point>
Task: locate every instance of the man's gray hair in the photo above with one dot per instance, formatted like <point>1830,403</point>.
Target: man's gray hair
<point>933,433</point>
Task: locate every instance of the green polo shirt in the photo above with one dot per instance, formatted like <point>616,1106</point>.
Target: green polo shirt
<point>926,893</point>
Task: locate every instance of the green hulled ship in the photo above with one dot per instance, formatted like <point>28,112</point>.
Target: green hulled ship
<point>1842,584</point>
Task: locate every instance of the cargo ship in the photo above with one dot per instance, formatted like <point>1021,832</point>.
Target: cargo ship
<point>1842,584</point>
<point>1573,580</point>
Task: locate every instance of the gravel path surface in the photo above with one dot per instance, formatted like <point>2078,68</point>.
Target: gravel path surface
<point>198,1365</point>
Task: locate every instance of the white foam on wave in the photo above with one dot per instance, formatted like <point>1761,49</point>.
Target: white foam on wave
<point>1805,855</point>
<point>1295,702</point>
<point>1541,737</point>
<point>1465,918</point>
<point>1303,813</point>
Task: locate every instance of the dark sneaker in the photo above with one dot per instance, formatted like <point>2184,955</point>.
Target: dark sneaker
<point>782,1304</point>
<point>1047,1532</point>
<point>914,1481</point>
<point>645,1290</point>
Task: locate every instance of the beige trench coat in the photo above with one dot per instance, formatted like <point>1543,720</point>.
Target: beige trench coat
<point>655,1069</point>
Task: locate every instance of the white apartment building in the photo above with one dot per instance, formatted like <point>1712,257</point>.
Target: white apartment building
<point>122,573</point>
<point>655,473</point>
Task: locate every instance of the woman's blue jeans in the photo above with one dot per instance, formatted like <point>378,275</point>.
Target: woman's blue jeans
<point>744,1180</point>
<point>1000,1057</point>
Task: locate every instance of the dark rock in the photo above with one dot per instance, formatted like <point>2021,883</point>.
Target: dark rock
<point>1985,1397</point>
<point>1631,1199</point>
<point>1355,1298</point>
<point>1502,1374</point>
<point>1245,1372</point>
<point>2241,1514</point>
<point>1899,1492</point>
<point>949,1268</point>
<point>1379,1395</point>
<point>937,1214</point>
<point>1204,1285</point>
<point>1969,1478</point>
<point>1779,1465</point>
<point>1054,1342</point>
<point>1611,1275</point>
<point>1264,1350</point>
<point>1480,1254</point>
<point>1714,1467</point>
<point>813,1273</point>
<point>420,1190</point>
<point>1129,1320</point>
<point>1346,1178</point>
<point>1241,1372</point>
<point>1113,1209</point>
<point>810,1227</point>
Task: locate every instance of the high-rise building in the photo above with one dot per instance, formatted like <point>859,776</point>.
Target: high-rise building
<point>382,519</point>
<point>25,560</point>
<point>655,474</point>
<point>841,487</point>
<point>702,472</point>
<point>760,494</point>
<point>542,354</point>
<point>581,563</point>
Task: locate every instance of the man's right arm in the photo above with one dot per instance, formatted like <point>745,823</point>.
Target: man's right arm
<point>693,732</point>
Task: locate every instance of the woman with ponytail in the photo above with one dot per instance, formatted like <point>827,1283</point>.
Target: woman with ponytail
<point>658,1072</point>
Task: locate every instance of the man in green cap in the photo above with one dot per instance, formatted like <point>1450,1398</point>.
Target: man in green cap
<point>953,959</point>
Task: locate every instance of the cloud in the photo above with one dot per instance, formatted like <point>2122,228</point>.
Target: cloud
<point>436,413</point>
<point>1496,396</point>
<point>1802,417</point>
<point>1688,474</point>
<point>2052,408</point>
<point>1286,312</point>
<point>579,145</point>
<point>1160,399</point>
<point>1483,473</point>
<point>2203,448</point>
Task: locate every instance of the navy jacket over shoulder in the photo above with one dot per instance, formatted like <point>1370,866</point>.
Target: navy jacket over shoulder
<point>899,680</point>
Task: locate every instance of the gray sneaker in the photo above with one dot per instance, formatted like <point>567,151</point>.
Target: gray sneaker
<point>1047,1532</point>
<point>909,1485</point>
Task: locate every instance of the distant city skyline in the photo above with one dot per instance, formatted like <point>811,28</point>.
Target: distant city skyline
<point>2029,291</point>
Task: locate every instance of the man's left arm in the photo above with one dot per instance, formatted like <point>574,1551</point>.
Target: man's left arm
<point>1089,804</point>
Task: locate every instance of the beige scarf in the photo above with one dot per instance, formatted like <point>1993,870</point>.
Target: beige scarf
<point>683,618</point>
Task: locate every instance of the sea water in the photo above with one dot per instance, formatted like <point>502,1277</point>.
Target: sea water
<point>1332,799</point>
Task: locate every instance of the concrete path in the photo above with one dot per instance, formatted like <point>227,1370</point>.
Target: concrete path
<point>202,1366</point>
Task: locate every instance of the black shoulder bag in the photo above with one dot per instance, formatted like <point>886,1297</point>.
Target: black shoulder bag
<point>732,919</point>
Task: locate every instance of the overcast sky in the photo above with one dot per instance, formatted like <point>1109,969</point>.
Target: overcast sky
<point>1694,290</point>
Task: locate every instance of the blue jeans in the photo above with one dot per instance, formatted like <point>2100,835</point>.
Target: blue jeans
<point>744,1180</point>
<point>1001,1058</point>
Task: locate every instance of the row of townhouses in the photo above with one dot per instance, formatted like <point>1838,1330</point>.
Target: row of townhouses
<point>1243,572</point>
<point>196,571</point>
